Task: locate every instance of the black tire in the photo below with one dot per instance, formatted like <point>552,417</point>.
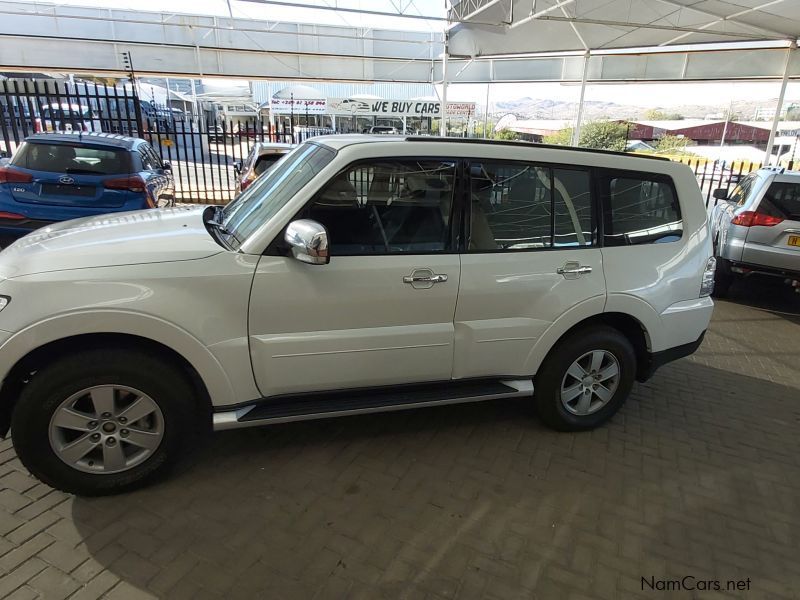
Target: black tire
<point>167,386</point>
<point>723,278</point>
<point>548,381</point>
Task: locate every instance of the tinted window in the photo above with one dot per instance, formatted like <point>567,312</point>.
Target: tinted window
<point>741,191</point>
<point>265,161</point>
<point>572,207</point>
<point>387,207</point>
<point>640,210</point>
<point>782,200</point>
<point>511,206</point>
<point>268,194</point>
<point>518,206</point>
<point>68,158</point>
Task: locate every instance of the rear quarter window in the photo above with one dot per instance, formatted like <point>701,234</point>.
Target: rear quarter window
<point>782,199</point>
<point>639,208</point>
<point>70,158</point>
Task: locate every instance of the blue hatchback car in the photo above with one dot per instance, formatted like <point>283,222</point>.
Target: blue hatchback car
<point>60,176</point>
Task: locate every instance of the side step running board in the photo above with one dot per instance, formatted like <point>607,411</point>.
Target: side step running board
<point>304,407</point>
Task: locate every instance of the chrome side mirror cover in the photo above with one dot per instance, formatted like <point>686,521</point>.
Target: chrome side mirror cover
<point>308,241</point>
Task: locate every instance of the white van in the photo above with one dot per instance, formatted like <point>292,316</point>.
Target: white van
<point>359,274</point>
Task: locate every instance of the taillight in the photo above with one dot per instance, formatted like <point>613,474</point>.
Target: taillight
<point>246,181</point>
<point>750,218</point>
<point>11,216</point>
<point>37,125</point>
<point>707,282</point>
<point>11,175</point>
<point>134,183</point>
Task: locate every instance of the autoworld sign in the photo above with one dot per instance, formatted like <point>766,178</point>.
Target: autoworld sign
<point>397,108</point>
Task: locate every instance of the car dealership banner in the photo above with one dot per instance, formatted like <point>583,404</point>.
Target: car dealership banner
<point>397,108</point>
<point>285,106</point>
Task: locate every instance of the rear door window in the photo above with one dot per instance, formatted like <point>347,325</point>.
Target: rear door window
<point>782,200</point>
<point>69,158</point>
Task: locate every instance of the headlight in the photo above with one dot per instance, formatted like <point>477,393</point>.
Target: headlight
<point>4,300</point>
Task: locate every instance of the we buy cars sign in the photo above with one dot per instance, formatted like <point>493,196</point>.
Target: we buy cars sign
<point>398,108</point>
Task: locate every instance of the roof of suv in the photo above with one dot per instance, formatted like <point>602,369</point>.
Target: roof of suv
<point>94,138</point>
<point>340,141</point>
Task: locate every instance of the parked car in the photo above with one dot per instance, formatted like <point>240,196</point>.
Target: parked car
<point>261,157</point>
<point>60,176</point>
<point>756,231</point>
<point>67,117</point>
<point>360,274</point>
<point>384,130</point>
<point>216,133</point>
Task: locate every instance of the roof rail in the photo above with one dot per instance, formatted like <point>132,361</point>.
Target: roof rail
<point>530,145</point>
<point>774,168</point>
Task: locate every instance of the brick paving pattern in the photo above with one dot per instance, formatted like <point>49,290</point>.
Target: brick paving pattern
<point>699,474</point>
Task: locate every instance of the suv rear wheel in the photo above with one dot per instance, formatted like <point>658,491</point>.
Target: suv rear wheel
<point>585,379</point>
<point>98,423</point>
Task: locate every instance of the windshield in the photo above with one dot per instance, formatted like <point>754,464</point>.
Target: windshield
<point>270,192</point>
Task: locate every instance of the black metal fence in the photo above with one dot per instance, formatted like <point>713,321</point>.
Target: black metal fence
<point>201,149</point>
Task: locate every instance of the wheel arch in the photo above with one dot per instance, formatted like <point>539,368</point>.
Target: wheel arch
<point>33,346</point>
<point>629,326</point>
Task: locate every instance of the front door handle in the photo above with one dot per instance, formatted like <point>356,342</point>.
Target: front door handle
<point>424,278</point>
<point>573,270</point>
<point>438,278</point>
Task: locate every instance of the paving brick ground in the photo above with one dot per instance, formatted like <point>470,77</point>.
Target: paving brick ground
<point>698,475</point>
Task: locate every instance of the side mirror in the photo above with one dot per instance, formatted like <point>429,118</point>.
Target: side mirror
<point>237,166</point>
<point>166,166</point>
<point>308,241</point>
<point>720,194</point>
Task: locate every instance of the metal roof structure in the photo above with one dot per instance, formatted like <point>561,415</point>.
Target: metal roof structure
<point>622,41</point>
<point>477,41</point>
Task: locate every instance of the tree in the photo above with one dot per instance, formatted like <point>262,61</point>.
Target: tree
<point>655,114</point>
<point>506,134</point>
<point>671,144</point>
<point>602,135</point>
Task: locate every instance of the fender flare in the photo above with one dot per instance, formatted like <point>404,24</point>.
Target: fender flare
<point>110,321</point>
<point>593,307</point>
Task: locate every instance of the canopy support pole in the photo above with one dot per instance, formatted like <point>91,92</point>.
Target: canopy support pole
<point>486,114</point>
<point>576,131</point>
<point>777,117</point>
<point>443,112</point>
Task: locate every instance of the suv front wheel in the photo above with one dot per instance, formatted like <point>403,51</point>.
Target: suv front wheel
<point>585,379</point>
<point>100,422</point>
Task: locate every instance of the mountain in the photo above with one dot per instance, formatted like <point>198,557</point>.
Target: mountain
<point>545,108</point>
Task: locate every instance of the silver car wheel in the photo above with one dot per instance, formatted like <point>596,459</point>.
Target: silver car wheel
<point>106,429</point>
<point>590,382</point>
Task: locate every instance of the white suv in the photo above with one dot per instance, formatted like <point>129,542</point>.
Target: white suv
<point>359,274</point>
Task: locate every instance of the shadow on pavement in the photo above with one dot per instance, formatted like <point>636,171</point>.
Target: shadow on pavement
<point>697,475</point>
<point>767,293</point>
